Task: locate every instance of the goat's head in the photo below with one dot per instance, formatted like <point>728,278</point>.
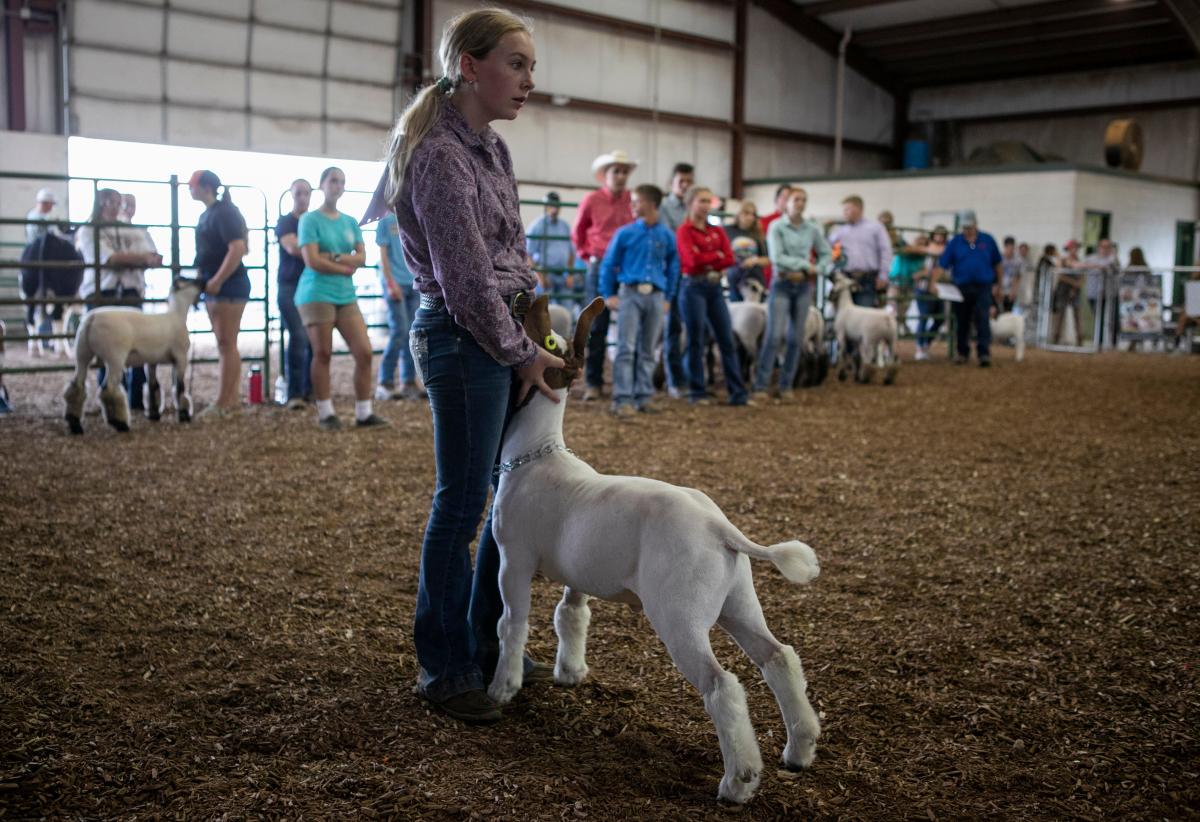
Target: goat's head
<point>186,289</point>
<point>752,290</point>
<point>538,328</point>
<point>840,282</point>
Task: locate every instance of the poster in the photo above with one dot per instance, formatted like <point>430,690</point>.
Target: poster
<point>1139,299</point>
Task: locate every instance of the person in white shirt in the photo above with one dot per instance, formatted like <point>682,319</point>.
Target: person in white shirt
<point>117,257</point>
<point>44,216</point>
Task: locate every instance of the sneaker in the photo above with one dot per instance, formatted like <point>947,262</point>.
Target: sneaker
<point>373,421</point>
<point>5,405</point>
<point>648,408</point>
<point>216,412</point>
<point>761,396</point>
<point>960,360</point>
<point>409,391</point>
<point>785,395</point>
<point>473,706</point>
<point>674,393</point>
<point>386,392</point>
<point>695,401</point>
<point>591,393</point>
<point>330,423</point>
<point>985,362</point>
<point>296,404</point>
<point>922,355</point>
<point>623,410</point>
<point>743,403</point>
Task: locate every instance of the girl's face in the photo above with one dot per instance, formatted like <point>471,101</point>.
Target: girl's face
<point>333,186</point>
<point>747,216</point>
<point>701,205</point>
<point>111,208</point>
<point>197,192</point>
<point>503,80</point>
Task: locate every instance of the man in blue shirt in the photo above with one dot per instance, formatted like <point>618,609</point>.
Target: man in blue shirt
<point>555,258</point>
<point>640,275</point>
<point>974,262</point>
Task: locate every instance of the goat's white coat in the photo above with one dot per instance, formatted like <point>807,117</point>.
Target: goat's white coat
<point>873,330</point>
<point>1009,325</point>
<point>125,337</point>
<point>658,547</point>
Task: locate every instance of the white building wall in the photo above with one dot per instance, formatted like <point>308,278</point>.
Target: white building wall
<point>1143,212</point>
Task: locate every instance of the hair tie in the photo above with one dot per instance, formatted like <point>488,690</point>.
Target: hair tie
<point>445,84</point>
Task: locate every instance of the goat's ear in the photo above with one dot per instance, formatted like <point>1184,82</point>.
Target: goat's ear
<point>584,326</point>
<point>537,320</point>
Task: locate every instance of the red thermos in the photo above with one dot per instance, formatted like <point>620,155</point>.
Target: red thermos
<point>255,387</point>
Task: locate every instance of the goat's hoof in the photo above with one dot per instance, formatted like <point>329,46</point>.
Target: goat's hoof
<point>74,423</point>
<point>801,757</point>
<point>739,788</point>
<point>842,376</point>
<point>120,425</point>
<point>569,677</point>
<point>185,416</point>
<point>502,691</point>
<point>153,416</point>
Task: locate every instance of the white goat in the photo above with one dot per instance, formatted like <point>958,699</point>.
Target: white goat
<point>125,337</point>
<point>1009,325</point>
<point>872,330</point>
<point>658,547</point>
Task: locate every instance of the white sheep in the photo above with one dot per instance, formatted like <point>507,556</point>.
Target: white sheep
<point>667,550</point>
<point>871,330</point>
<point>1009,325</point>
<point>125,337</point>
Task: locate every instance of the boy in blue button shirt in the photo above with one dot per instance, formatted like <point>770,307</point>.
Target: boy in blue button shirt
<point>640,275</point>
<point>974,262</point>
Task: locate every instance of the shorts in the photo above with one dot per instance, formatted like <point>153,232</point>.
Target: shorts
<point>234,290</point>
<point>327,313</point>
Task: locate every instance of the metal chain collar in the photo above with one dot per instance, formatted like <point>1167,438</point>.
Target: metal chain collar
<point>516,462</point>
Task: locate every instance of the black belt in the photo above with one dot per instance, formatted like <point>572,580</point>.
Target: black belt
<point>518,303</point>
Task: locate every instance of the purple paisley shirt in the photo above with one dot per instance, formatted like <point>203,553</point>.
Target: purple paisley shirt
<point>460,226</point>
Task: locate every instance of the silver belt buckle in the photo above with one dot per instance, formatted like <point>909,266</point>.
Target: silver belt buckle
<point>645,288</point>
<point>713,276</point>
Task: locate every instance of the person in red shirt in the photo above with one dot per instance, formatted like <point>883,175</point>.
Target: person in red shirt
<point>781,197</point>
<point>600,214</point>
<point>704,254</point>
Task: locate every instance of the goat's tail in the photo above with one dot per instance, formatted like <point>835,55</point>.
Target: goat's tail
<point>794,559</point>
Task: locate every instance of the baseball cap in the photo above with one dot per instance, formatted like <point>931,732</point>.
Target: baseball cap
<point>46,195</point>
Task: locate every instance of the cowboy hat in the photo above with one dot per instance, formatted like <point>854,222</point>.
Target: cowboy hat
<point>612,158</point>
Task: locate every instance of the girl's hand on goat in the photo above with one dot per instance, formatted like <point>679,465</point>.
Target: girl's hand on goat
<point>534,375</point>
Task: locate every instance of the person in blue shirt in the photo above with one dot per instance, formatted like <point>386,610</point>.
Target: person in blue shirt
<point>639,275</point>
<point>974,262</point>
<point>554,258</point>
<point>298,362</point>
<point>402,304</point>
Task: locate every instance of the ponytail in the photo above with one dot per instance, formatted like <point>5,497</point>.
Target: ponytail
<point>475,33</point>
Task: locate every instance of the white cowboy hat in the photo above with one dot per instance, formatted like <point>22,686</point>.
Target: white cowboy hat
<point>612,158</point>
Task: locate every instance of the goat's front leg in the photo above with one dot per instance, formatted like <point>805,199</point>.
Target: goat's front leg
<point>513,631</point>
<point>571,619</point>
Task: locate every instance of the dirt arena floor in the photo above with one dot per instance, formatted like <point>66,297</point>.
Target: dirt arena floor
<point>213,621</point>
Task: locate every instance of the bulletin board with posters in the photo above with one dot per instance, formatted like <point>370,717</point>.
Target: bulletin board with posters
<point>1140,306</point>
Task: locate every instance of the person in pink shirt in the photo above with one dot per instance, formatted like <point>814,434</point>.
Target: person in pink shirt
<point>600,214</point>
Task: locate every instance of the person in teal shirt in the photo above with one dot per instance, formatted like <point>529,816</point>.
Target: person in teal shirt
<point>332,246</point>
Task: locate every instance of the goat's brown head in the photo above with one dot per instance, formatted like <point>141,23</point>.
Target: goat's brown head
<point>573,353</point>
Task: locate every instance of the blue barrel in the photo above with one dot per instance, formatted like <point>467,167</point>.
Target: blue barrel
<point>916,154</point>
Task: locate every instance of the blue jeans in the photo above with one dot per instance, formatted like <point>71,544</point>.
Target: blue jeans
<point>866,294</point>
<point>400,317</point>
<point>672,348</point>
<point>702,302</point>
<point>977,300</point>
<point>298,364</point>
<point>930,321</point>
<point>787,312</point>
<point>457,609</point>
<point>638,322</point>
<point>597,345</point>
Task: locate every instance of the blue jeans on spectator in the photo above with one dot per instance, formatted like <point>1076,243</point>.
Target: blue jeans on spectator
<point>135,378</point>
<point>977,300</point>
<point>674,366</point>
<point>597,346</point>
<point>457,609</point>
<point>298,364</point>
<point>639,320</point>
<point>930,321</point>
<point>866,294</point>
<point>703,302</point>
<point>787,312</point>
<point>400,317</point>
